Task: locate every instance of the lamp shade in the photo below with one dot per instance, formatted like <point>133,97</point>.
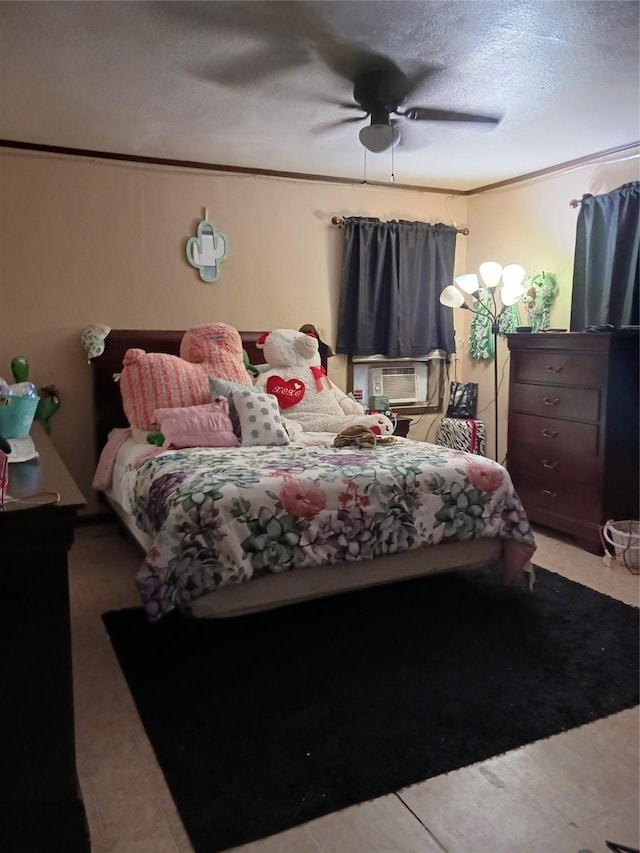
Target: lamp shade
<point>513,275</point>
<point>468,282</point>
<point>490,273</point>
<point>451,297</point>
<point>510,295</point>
<point>379,137</point>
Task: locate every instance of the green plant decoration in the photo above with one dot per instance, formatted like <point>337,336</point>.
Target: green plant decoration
<point>48,405</point>
<point>540,293</point>
<point>20,369</point>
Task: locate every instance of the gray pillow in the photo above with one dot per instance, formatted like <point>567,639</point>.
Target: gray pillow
<point>260,419</point>
<point>226,388</point>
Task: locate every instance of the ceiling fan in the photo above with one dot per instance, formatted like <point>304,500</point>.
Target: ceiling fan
<point>284,36</point>
<point>380,92</point>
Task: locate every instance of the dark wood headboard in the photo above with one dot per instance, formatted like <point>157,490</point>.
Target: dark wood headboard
<point>107,401</point>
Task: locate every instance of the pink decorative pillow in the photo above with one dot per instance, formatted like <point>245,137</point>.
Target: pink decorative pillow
<point>197,426</point>
<point>151,381</point>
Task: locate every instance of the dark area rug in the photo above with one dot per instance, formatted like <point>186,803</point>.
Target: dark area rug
<point>263,722</point>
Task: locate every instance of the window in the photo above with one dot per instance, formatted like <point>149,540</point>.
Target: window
<point>411,385</point>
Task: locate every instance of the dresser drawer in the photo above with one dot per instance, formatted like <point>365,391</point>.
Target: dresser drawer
<point>580,501</point>
<point>554,467</point>
<point>553,435</point>
<point>559,368</point>
<point>582,404</point>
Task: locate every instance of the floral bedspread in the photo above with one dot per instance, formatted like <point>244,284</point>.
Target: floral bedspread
<point>225,515</point>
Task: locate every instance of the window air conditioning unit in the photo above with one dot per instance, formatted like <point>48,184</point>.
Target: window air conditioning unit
<point>399,384</point>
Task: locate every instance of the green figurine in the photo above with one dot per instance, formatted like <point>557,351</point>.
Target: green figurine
<point>539,296</point>
<point>48,405</point>
<point>20,369</point>
<point>252,369</point>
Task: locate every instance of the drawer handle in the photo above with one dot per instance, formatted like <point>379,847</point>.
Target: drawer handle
<point>552,369</point>
<point>549,433</point>
<point>550,465</point>
<point>548,401</point>
<point>549,494</point>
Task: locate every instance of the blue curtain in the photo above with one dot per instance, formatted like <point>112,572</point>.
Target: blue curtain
<point>392,277</point>
<point>605,274</point>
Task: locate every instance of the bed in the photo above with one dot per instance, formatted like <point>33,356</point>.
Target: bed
<point>232,530</point>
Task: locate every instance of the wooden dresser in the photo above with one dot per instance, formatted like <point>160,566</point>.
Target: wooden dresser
<point>573,429</point>
<point>41,807</point>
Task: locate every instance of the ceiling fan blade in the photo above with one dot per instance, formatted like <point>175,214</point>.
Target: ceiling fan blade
<point>272,46</point>
<point>261,64</point>
<point>429,114</point>
<point>419,77</point>
<point>344,58</point>
<point>343,105</point>
<point>333,125</point>
<point>379,77</point>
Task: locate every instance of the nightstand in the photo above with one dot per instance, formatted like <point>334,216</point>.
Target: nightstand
<point>402,426</point>
<point>41,807</point>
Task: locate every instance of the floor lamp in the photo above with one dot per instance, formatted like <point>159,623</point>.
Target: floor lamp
<point>504,285</point>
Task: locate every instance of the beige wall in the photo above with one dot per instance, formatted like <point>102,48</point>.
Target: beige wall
<point>85,241</point>
<point>532,224</point>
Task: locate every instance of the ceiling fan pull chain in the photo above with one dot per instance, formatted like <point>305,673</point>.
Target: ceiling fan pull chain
<point>393,176</point>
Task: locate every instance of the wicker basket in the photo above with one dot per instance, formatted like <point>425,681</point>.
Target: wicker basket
<point>624,536</point>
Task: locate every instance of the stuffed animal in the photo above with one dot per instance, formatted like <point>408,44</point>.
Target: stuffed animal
<point>253,369</point>
<point>250,368</point>
<point>360,436</point>
<point>151,381</point>
<point>304,391</point>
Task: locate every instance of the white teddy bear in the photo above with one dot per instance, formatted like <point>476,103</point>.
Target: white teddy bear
<point>304,391</point>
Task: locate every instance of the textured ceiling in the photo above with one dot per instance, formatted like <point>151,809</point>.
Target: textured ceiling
<point>255,84</point>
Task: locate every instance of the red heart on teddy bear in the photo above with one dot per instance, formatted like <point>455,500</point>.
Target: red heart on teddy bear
<point>288,392</point>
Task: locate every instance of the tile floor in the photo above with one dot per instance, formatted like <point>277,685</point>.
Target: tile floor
<point>566,794</point>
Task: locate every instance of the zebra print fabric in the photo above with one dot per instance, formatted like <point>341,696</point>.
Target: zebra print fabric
<point>462,434</point>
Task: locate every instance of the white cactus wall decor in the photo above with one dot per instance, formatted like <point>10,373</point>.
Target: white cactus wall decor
<point>205,251</point>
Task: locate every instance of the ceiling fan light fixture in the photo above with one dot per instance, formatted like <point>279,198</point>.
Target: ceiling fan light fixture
<point>379,137</point>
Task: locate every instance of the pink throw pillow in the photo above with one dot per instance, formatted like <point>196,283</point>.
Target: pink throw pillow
<point>197,426</point>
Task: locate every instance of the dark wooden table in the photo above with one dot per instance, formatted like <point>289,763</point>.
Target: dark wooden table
<point>41,806</point>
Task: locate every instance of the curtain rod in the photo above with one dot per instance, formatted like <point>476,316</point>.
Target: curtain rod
<point>339,221</point>
<point>575,202</point>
